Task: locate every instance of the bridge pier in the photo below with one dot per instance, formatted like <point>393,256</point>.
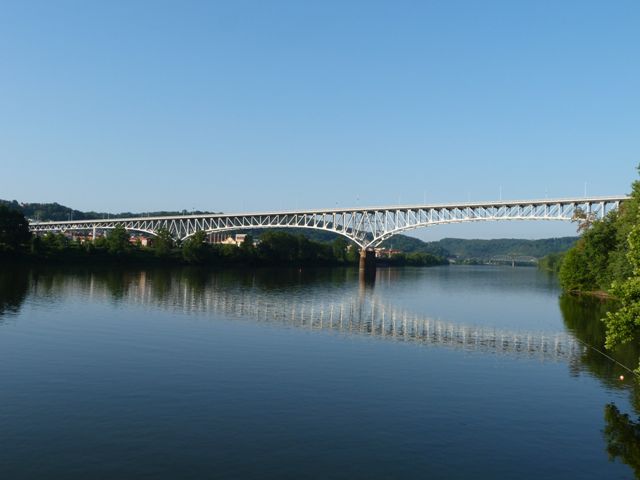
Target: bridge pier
<point>367,261</point>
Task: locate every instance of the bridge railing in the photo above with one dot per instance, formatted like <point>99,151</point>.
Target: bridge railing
<point>367,227</point>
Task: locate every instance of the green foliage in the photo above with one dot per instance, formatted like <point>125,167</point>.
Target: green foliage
<point>247,250</point>
<point>117,242</point>
<point>484,250</point>
<point>601,258</point>
<point>598,242</point>
<point>277,247</point>
<point>53,242</point>
<point>339,247</point>
<point>194,250</point>
<point>551,262</point>
<point>353,254</point>
<point>274,248</point>
<point>620,267</point>
<point>14,229</point>
<point>247,243</point>
<point>415,245</point>
<point>416,259</point>
<point>623,325</point>
<point>57,212</point>
<point>163,243</point>
<point>575,274</point>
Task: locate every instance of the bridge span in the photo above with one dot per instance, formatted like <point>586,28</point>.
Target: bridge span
<point>366,227</point>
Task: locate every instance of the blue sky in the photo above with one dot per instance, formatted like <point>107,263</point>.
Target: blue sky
<point>245,106</point>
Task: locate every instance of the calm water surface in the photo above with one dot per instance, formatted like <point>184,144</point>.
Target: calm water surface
<point>448,372</point>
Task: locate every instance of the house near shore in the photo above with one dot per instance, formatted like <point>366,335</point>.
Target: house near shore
<point>226,239</point>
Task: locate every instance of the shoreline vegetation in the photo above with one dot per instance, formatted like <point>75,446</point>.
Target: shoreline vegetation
<point>605,263</point>
<point>272,248</point>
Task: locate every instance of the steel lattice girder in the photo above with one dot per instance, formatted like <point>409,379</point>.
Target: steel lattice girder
<point>367,227</point>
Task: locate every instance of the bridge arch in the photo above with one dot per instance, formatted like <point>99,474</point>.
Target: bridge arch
<point>278,227</point>
<point>366,227</point>
<point>375,242</point>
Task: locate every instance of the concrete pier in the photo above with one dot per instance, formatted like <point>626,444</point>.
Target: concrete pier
<point>367,261</point>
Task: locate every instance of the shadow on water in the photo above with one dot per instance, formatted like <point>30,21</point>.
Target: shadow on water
<point>14,284</point>
<point>583,317</point>
<point>123,283</point>
<point>623,437</point>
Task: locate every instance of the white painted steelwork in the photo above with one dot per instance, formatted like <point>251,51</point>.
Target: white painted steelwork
<point>367,227</point>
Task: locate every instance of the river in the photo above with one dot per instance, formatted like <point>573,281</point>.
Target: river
<point>446,372</point>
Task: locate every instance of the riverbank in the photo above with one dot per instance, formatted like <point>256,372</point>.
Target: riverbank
<point>205,256</point>
<point>601,294</point>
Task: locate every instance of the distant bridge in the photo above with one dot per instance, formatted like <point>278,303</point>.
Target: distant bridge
<point>514,259</point>
<point>367,227</point>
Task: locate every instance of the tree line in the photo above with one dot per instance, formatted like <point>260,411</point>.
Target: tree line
<point>56,212</point>
<point>606,261</point>
<point>272,248</point>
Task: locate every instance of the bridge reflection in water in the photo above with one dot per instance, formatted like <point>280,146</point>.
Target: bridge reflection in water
<point>346,310</point>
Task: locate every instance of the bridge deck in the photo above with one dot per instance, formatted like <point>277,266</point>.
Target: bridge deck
<point>367,227</point>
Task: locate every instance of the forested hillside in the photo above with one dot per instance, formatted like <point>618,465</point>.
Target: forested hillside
<point>56,212</point>
<point>486,249</point>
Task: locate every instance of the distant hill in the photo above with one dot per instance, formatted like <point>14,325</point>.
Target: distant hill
<point>415,245</point>
<point>481,250</point>
<point>485,249</point>
<point>57,212</point>
<point>447,247</point>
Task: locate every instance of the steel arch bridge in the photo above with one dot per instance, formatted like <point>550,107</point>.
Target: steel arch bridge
<point>366,227</point>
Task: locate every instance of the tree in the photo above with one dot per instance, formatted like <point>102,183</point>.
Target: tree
<point>623,325</point>
<point>599,241</point>
<point>601,255</point>
<point>14,229</point>
<point>353,253</point>
<point>118,241</point>
<point>575,274</point>
<point>278,247</point>
<point>619,265</point>
<point>339,247</point>
<point>194,249</point>
<point>163,243</point>
<point>247,249</point>
<point>584,219</point>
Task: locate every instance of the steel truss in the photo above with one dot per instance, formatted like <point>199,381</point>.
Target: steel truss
<point>367,227</point>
